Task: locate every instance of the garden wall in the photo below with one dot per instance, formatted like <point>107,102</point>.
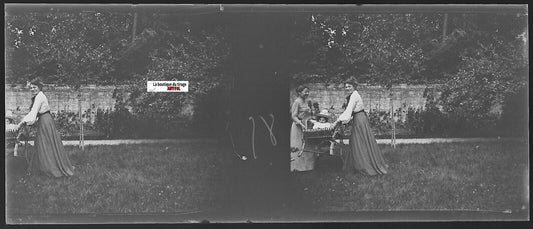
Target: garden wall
<point>375,98</point>
<point>61,98</point>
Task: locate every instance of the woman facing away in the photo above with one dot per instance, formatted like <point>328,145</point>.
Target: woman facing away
<point>300,113</point>
<point>50,157</point>
<point>364,155</point>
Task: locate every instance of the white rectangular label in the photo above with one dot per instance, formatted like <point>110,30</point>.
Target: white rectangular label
<point>167,86</point>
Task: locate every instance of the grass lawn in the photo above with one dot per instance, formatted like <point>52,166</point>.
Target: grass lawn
<point>151,178</point>
<point>447,176</point>
<point>120,179</point>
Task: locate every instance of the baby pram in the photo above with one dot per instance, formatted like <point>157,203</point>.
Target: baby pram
<point>14,140</point>
<point>327,140</point>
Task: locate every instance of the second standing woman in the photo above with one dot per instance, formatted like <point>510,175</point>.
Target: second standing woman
<point>364,155</point>
<point>301,112</point>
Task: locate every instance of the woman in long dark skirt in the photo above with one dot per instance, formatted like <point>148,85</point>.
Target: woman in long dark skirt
<point>51,158</point>
<point>364,155</point>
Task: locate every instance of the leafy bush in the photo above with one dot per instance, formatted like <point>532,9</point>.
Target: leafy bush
<point>379,121</point>
<point>102,122</point>
<point>120,123</point>
<point>428,122</point>
<point>433,122</point>
<point>127,121</point>
<point>68,125</point>
<point>66,122</point>
<point>150,121</point>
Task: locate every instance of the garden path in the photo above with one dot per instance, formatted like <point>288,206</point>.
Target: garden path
<point>212,140</point>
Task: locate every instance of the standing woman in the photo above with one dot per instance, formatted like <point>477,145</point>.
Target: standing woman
<point>365,156</point>
<point>300,113</point>
<point>50,157</point>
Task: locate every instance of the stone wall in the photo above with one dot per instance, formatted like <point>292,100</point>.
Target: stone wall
<point>374,97</point>
<point>60,98</point>
<point>93,97</point>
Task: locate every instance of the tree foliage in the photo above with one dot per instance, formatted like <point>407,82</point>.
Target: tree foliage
<point>77,48</point>
<point>380,49</point>
<point>481,59</point>
<point>182,52</point>
<point>72,48</point>
<point>388,49</point>
<point>492,66</point>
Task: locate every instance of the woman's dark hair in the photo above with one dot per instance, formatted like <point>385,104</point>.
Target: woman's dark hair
<point>37,82</point>
<point>352,81</point>
<point>301,88</point>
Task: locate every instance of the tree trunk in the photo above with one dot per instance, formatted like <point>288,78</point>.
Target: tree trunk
<point>444,27</point>
<point>81,122</point>
<point>393,134</point>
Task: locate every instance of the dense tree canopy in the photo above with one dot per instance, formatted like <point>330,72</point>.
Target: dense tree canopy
<point>480,59</point>
<point>492,63</point>
<point>388,49</point>
<point>70,48</point>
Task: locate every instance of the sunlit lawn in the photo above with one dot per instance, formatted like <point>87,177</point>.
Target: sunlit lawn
<point>449,176</point>
<point>151,178</point>
<point>121,179</point>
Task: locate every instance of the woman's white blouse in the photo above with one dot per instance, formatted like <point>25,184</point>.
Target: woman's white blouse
<point>40,105</point>
<point>355,104</point>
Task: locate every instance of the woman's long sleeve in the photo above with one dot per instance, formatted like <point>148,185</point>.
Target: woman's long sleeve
<point>355,104</point>
<point>31,117</point>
